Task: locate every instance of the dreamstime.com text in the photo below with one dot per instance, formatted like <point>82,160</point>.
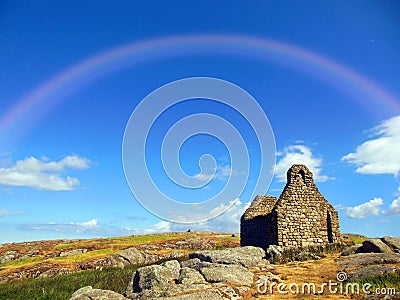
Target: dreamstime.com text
<point>266,286</point>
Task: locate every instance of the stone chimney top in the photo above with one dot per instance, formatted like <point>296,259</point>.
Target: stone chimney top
<point>299,174</point>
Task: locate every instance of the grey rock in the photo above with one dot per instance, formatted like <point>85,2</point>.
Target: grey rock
<point>229,292</point>
<point>246,256</point>
<point>8,256</point>
<point>306,255</point>
<point>274,253</point>
<point>133,256</point>
<point>350,250</point>
<point>375,246</point>
<point>202,295</point>
<point>196,264</point>
<point>365,259</point>
<point>231,274</point>
<point>195,244</point>
<point>190,276</point>
<point>154,279</point>
<point>88,293</point>
<point>392,242</point>
<point>370,271</point>
<point>73,252</point>
<point>176,254</point>
<point>171,269</point>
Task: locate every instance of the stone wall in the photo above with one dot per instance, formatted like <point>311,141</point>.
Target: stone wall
<point>258,226</point>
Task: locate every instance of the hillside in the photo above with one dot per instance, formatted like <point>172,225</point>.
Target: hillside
<point>57,269</point>
<point>49,258</point>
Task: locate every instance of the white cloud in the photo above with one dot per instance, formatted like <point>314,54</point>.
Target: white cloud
<point>298,154</point>
<point>380,154</point>
<point>340,207</point>
<point>43,174</point>
<point>367,209</point>
<point>5,212</point>
<point>394,208</point>
<point>222,172</point>
<point>204,177</point>
<point>162,226</point>
<point>88,226</point>
<point>229,221</point>
<point>94,228</point>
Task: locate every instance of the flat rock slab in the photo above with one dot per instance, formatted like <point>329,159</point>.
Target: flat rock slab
<point>191,276</point>
<point>370,271</point>
<point>203,295</point>
<point>365,259</point>
<point>89,293</point>
<point>231,274</point>
<point>248,256</point>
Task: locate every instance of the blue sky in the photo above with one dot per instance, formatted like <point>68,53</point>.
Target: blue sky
<point>326,76</point>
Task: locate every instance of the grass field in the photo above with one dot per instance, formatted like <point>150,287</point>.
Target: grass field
<point>63,286</point>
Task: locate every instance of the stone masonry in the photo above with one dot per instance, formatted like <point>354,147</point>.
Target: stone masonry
<point>300,217</point>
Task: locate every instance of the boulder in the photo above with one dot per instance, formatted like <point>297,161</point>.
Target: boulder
<point>246,256</point>
<point>392,242</point>
<point>375,246</point>
<point>231,274</point>
<point>73,252</point>
<point>154,279</point>
<point>306,255</point>
<point>351,250</point>
<point>8,256</point>
<point>134,257</point>
<point>89,293</point>
<point>274,253</point>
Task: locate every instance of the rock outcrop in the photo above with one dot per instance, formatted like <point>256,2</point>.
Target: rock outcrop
<point>374,246</point>
<point>221,274</point>
<point>246,256</point>
<point>369,264</point>
<point>73,252</point>
<point>392,242</point>
<point>89,293</point>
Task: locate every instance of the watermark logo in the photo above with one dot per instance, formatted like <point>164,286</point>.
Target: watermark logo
<point>267,286</point>
<point>146,186</point>
<point>341,276</point>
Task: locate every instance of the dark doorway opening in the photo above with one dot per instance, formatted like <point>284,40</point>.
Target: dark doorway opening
<point>329,223</point>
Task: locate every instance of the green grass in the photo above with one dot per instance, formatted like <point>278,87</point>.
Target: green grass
<point>389,280</point>
<point>85,256</point>
<point>22,262</point>
<point>121,241</point>
<point>63,286</point>
<point>139,239</point>
<point>357,240</point>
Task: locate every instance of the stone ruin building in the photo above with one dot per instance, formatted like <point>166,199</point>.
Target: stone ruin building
<point>300,217</point>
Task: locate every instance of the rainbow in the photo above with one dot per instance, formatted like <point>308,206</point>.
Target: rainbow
<point>365,92</point>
